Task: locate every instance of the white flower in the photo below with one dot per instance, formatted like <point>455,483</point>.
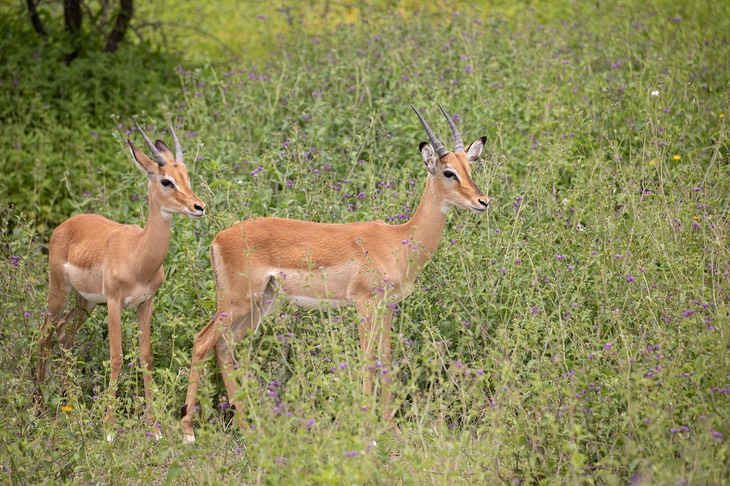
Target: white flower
<point>655,92</point>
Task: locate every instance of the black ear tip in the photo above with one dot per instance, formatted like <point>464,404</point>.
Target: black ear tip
<point>421,145</point>
<point>483,139</point>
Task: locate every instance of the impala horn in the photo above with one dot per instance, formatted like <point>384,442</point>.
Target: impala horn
<point>178,147</point>
<point>156,153</point>
<point>438,146</point>
<point>459,145</point>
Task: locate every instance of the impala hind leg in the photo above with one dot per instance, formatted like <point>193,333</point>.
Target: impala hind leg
<point>226,363</point>
<point>66,330</point>
<point>207,338</point>
<point>223,331</point>
<point>57,292</point>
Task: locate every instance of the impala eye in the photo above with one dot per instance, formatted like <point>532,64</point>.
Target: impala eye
<point>167,183</point>
<point>449,175</point>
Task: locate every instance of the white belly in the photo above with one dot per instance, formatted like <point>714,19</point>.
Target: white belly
<point>88,282</point>
<point>313,303</point>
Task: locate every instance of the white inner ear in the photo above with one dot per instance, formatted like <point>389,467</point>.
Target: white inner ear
<point>429,158</point>
<point>475,150</point>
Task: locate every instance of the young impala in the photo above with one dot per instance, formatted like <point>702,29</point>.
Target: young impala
<point>371,265</point>
<point>120,265</point>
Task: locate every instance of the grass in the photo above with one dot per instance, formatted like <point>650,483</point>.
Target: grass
<point>576,333</point>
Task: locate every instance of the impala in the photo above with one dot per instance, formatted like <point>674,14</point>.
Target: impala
<point>120,265</point>
<point>371,265</point>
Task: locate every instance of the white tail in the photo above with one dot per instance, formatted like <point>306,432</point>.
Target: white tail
<point>370,265</point>
<point>120,265</point>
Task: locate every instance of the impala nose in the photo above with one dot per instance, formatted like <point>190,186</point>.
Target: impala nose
<point>199,207</point>
<point>484,202</point>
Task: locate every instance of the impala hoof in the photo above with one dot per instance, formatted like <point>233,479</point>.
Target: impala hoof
<point>188,439</point>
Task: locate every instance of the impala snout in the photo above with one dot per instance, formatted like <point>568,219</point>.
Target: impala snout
<point>481,206</point>
<point>197,211</point>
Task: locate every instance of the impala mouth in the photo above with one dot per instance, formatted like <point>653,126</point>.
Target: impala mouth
<point>196,214</point>
<point>477,210</point>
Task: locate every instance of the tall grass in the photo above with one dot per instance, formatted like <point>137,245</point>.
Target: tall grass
<point>577,333</point>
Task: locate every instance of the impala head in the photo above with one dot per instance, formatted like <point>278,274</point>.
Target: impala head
<point>169,183</point>
<point>451,171</point>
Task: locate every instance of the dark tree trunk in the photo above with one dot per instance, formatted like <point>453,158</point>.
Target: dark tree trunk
<point>35,19</point>
<point>72,17</point>
<point>126,9</point>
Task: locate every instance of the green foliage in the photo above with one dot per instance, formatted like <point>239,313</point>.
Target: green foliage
<point>577,332</point>
<point>61,124</point>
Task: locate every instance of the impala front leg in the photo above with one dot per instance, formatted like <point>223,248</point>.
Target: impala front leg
<point>386,357</point>
<point>144,318</point>
<point>374,330</point>
<point>114,310</point>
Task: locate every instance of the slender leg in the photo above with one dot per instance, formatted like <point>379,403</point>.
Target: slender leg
<point>375,342</point>
<point>115,353</point>
<point>387,359</point>
<point>204,343</point>
<point>144,318</point>
<point>224,355</point>
<point>57,292</point>
<point>76,317</point>
<point>66,330</point>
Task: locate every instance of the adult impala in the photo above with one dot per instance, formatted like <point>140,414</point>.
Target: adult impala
<point>371,265</point>
<point>120,265</point>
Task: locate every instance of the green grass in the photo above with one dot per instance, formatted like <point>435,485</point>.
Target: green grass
<point>576,333</point>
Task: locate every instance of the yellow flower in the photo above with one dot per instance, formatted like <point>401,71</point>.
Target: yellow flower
<point>677,157</point>
<point>696,216</point>
<point>722,115</point>
<point>67,408</point>
<point>652,162</point>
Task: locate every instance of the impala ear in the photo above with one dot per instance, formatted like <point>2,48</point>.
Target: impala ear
<point>142,161</point>
<point>475,149</point>
<point>165,150</point>
<point>429,157</point>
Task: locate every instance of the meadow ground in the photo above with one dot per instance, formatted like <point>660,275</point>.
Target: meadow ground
<point>579,332</point>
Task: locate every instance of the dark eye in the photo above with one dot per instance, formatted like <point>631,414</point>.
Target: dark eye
<point>167,183</point>
<point>449,175</point>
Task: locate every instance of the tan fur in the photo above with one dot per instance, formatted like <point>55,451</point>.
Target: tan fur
<point>369,265</point>
<point>121,265</point>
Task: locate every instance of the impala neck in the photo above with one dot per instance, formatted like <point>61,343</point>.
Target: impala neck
<point>426,227</point>
<point>155,238</point>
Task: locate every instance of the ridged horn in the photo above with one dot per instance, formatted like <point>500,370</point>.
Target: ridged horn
<point>156,153</point>
<point>458,144</point>
<point>178,147</point>
<point>437,146</point>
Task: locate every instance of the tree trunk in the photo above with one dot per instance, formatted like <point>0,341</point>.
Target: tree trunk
<point>126,9</point>
<point>35,19</point>
<point>72,17</point>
